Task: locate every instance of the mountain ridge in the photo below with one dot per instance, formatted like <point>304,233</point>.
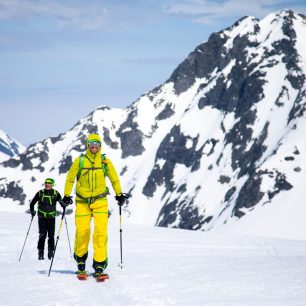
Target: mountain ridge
<point>220,138</point>
<point>9,146</point>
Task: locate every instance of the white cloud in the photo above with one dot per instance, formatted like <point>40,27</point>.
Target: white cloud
<point>82,14</point>
<point>209,12</point>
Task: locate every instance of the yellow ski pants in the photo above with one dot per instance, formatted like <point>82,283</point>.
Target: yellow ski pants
<point>83,214</point>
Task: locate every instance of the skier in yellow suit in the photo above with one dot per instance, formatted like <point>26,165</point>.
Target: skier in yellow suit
<point>90,170</point>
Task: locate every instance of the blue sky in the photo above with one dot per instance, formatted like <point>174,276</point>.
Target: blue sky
<point>61,59</point>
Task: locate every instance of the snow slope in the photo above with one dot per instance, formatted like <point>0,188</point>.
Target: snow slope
<point>162,267</point>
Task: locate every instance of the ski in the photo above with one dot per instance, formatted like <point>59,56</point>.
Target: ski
<point>82,276</point>
<point>101,277</point>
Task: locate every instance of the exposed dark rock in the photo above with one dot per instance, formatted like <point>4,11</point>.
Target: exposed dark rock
<point>25,159</point>
<point>283,92</point>
<point>246,88</point>
<point>56,139</point>
<point>296,151</point>
<point>166,113</point>
<point>182,188</point>
<point>13,162</point>
<point>207,220</point>
<point>249,195</point>
<point>130,136</point>
<point>223,179</point>
<point>168,214</point>
<point>183,212</point>
<point>299,106</point>
<point>107,139</point>
<point>200,63</point>
<point>246,160</point>
<point>229,194</point>
<point>280,184</point>
<point>12,190</point>
<point>124,169</point>
<point>65,164</point>
<point>90,128</point>
<point>210,142</point>
<point>190,217</point>
<point>4,149</point>
<point>218,160</point>
<point>173,150</point>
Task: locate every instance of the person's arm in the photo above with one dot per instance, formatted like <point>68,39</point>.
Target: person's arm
<point>113,176</point>
<point>58,197</point>
<point>60,200</point>
<point>34,201</point>
<point>71,176</point>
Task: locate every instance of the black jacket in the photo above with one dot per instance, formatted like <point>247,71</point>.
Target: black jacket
<point>46,203</point>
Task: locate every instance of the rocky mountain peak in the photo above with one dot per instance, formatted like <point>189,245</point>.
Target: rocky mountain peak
<point>9,146</point>
<point>222,137</point>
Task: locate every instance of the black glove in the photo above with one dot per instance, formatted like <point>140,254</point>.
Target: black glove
<point>33,213</point>
<point>121,198</point>
<point>63,204</point>
<point>66,201</point>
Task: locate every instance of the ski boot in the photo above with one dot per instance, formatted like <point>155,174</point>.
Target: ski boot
<point>81,273</point>
<point>99,275</point>
<point>40,254</point>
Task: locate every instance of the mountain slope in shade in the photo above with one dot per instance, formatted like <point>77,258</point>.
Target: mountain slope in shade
<point>219,141</point>
<point>9,146</point>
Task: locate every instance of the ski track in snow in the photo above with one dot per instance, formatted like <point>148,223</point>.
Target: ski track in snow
<point>162,267</point>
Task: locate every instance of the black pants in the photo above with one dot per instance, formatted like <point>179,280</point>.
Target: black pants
<point>46,226</point>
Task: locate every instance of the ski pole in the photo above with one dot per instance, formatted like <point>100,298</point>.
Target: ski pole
<point>26,238</point>
<point>126,196</point>
<point>68,237</point>
<point>57,238</point>
<point>121,262</point>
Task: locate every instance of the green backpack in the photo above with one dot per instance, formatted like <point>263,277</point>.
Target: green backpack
<point>81,165</point>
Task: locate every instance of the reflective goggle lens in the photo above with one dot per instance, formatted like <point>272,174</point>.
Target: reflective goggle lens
<point>94,143</point>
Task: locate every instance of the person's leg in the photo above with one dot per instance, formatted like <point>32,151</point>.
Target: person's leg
<point>100,237</point>
<point>42,228</point>
<point>51,232</point>
<point>82,234</point>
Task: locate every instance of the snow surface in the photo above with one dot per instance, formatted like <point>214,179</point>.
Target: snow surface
<point>162,267</point>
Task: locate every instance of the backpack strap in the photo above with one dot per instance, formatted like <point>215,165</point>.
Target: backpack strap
<point>50,198</point>
<point>81,164</point>
<point>104,164</point>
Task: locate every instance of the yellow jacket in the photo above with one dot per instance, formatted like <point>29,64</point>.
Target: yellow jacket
<point>91,182</point>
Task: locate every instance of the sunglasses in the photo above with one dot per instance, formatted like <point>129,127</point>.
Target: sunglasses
<point>94,143</point>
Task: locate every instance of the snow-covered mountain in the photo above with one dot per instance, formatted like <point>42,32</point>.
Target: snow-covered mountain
<point>221,141</point>
<point>9,146</point>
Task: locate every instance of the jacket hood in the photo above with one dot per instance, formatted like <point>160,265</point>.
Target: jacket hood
<point>92,137</point>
